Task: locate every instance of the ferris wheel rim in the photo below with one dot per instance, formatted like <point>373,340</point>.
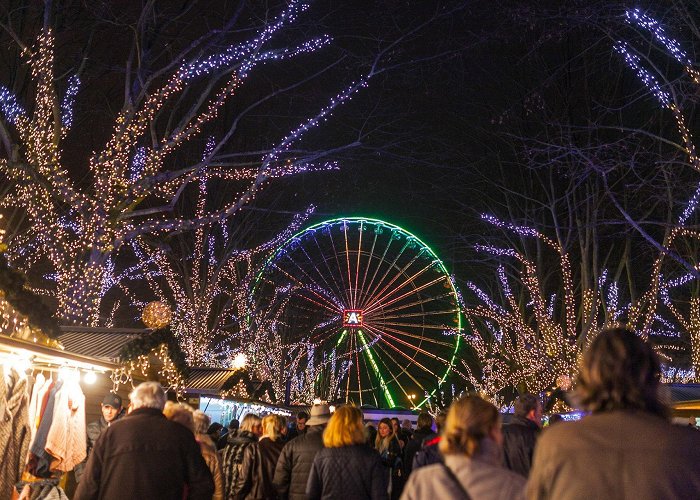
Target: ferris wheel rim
<point>435,261</point>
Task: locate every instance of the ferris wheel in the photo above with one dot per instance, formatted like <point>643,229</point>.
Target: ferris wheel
<point>374,305</point>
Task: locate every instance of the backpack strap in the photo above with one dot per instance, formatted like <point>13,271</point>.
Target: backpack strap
<point>455,481</point>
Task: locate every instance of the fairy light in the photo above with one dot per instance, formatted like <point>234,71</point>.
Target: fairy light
<point>133,166</point>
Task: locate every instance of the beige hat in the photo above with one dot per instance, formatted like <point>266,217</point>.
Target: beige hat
<point>320,414</point>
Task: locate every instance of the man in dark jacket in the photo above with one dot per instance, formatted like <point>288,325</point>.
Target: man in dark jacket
<point>144,455</point>
<point>299,427</point>
<point>294,464</point>
<point>520,434</point>
<point>423,432</point>
<point>112,411</point>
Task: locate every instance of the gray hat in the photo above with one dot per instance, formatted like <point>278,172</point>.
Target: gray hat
<point>112,400</point>
<point>320,414</point>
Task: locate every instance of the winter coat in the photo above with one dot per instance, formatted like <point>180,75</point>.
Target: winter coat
<point>65,441</point>
<point>232,459</point>
<point>93,431</point>
<point>14,429</point>
<point>39,460</point>
<point>391,458</point>
<point>414,446</point>
<point>519,437</point>
<point>428,455</point>
<point>145,455</point>
<point>347,473</point>
<point>482,476</point>
<point>617,454</point>
<point>213,461</point>
<point>259,461</point>
<point>294,464</point>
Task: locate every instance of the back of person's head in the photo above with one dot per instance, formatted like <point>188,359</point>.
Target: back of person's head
<point>270,425</point>
<point>344,428</point>
<point>470,419</point>
<point>425,421</point>
<point>524,404</point>
<point>406,424</point>
<point>302,415</point>
<point>250,421</point>
<point>619,371</point>
<point>234,424</point>
<point>148,395</point>
<point>201,422</point>
<point>180,413</point>
<point>440,421</point>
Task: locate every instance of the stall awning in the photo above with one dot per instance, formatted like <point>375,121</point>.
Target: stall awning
<point>208,380</point>
<point>101,343</point>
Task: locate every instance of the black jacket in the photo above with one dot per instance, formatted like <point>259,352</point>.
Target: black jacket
<point>232,459</point>
<point>413,447</point>
<point>145,455</point>
<point>428,455</point>
<point>294,464</point>
<point>519,438</point>
<point>259,461</point>
<point>348,473</point>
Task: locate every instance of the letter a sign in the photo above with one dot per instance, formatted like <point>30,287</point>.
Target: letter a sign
<point>352,318</point>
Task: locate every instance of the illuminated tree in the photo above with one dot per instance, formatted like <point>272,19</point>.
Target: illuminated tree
<point>138,179</point>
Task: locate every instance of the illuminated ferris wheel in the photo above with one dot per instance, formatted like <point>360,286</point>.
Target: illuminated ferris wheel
<point>375,306</point>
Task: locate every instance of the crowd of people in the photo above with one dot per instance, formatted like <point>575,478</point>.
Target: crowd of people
<point>625,447</point>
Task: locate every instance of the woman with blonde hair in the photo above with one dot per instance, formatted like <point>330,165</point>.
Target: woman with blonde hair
<point>208,448</point>
<point>346,467</point>
<point>232,455</point>
<point>389,448</point>
<point>471,444</point>
<point>259,461</point>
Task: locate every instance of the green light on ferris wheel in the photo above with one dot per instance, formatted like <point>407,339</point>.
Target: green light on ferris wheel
<point>382,382</point>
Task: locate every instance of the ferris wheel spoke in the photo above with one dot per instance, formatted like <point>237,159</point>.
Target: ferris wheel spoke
<point>340,267</point>
<point>387,355</point>
<point>315,267</point>
<point>417,314</point>
<point>375,367</point>
<point>357,267</point>
<point>370,255</point>
<point>365,290</point>
<point>359,376</point>
<point>398,274</point>
<point>347,262</point>
<point>305,286</point>
<point>421,301</point>
<point>387,332</point>
<point>405,294</point>
<point>372,291</point>
<point>403,284</point>
<point>422,338</point>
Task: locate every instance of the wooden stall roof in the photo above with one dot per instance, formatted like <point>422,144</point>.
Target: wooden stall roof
<point>99,343</point>
<point>208,380</point>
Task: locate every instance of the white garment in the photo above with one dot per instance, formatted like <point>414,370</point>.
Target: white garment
<point>38,390</point>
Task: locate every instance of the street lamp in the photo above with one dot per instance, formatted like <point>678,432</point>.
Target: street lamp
<point>412,398</point>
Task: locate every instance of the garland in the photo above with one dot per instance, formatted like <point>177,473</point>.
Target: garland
<point>14,286</point>
<point>144,345</point>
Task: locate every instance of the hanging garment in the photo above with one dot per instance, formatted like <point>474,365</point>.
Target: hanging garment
<point>41,386</point>
<point>67,437</point>
<point>14,429</point>
<point>39,459</point>
<point>47,489</point>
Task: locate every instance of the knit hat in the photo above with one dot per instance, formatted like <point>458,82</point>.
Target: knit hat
<point>112,400</point>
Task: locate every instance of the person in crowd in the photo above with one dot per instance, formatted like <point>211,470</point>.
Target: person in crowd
<point>370,433</point>
<point>180,413</point>
<point>230,433</point>
<point>471,444</point>
<point>430,453</point>
<point>294,464</point>
<point>232,454</point>
<point>143,455</point>
<point>626,446</point>
<point>387,444</point>
<point>299,427</point>
<point>520,435</point>
<point>215,431</point>
<point>346,467</point>
<point>398,432</point>
<point>211,457</point>
<point>407,429</point>
<point>259,460</point>
<point>423,432</point>
<point>112,410</point>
